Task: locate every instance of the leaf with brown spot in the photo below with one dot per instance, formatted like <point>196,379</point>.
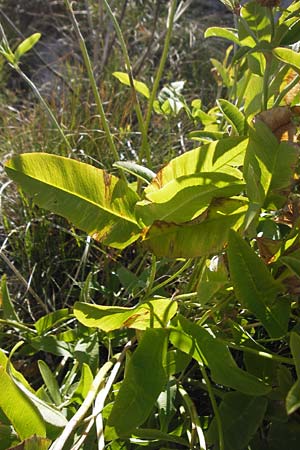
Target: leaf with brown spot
<point>90,198</point>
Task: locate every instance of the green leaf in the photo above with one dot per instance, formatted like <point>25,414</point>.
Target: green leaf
<point>204,236</point>
<point>185,198</point>
<point>225,33</point>
<point>50,382</point>
<point>292,262</point>
<point>219,156</point>
<point>33,443</point>
<point>13,401</point>
<point>84,384</point>
<point>268,166</point>
<point>241,415</point>
<point>234,116</point>
<point>153,313</point>
<point>144,380</point>
<point>27,45</point>
<point>141,172</point>
<point>51,416</point>
<point>140,87</point>
<point>289,32</point>
<point>203,346</point>
<point>222,71</point>
<point>293,396</point>
<point>6,303</point>
<point>284,435</point>
<point>92,199</point>
<point>255,287</point>
<point>288,56</point>
<point>45,323</point>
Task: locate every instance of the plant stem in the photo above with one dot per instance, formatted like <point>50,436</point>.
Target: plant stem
<point>170,22</point>
<point>262,353</point>
<point>265,94</point>
<point>196,426</point>
<point>172,277</point>
<point>131,80</point>
<point>88,65</point>
<point>214,407</point>
<point>59,443</point>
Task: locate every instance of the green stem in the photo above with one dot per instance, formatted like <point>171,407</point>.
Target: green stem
<point>131,80</point>
<point>92,80</point>
<point>172,277</point>
<point>196,425</point>
<point>262,353</point>
<point>151,277</point>
<point>170,22</point>
<point>214,407</point>
<point>266,80</point>
<point>44,104</point>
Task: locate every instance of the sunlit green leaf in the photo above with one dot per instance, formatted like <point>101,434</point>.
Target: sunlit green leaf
<point>27,45</point>
<point>234,116</point>
<point>225,33</point>
<point>13,400</point>
<point>153,313</point>
<point>50,382</point>
<point>288,56</point>
<point>218,156</point>
<point>204,236</point>
<point>92,199</point>
<point>140,87</point>
<point>185,198</point>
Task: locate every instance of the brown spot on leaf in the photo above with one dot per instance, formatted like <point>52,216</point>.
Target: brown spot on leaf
<point>280,120</point>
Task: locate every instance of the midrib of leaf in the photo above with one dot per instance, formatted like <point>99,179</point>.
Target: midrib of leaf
<point>89,201</point>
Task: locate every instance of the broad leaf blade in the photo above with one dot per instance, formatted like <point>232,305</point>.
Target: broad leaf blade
<point>234,116</point>
<point>139,86</point>
<point>241,416</point>
<point>144,380</point>
<point>13,400</point>
<point>288,56</point>
<point>268,166</point>
<point>151,314</point>
<point>199,343</point>
<point>225,33</point>
<point>92,199</point>
<point>194,239</point>
<point>218,156</point>
<point>255,287</point>
<point>185,198</point>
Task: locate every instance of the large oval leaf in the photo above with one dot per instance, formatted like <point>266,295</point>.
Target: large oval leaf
<point>204,347</point>
<point>255,287</point>
<point>144,380</point>
<point>185,198</point>
<point>218,156</point>
<point>13,401</point>
<point>196,238</point>
<point>93,200</point>
<point>154,313</point>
